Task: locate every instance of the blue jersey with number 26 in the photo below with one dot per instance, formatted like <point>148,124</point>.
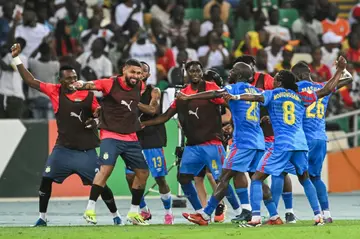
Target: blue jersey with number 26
<point>246,118</point>
<point>314,119</point>
<point>286,110</point>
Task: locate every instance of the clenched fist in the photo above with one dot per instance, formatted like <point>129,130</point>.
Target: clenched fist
<point>15,50</point>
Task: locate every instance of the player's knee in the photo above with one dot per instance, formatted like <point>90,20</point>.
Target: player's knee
<point>259,176</point>
<point>315,178</point>
<point>185,178</point>
<point>161,181</point>
<point>142,174</point>
<point>266,192</point>
<point>45,186</point>
<point>130,177</point>
<point>303,177</point>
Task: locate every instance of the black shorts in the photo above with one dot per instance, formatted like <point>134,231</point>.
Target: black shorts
<point>130,152</point>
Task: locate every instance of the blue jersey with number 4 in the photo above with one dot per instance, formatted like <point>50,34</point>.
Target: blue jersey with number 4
<point>314,119</point>
<point>286,110</point>
<point>246,118</point>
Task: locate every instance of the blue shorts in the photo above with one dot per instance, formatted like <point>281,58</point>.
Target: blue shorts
<point>243,160</point>
<point>156,161</point>
<point>274,162</point>
<point>130,152</point>
<point>63,162</point>
<point>290,168</point>
<point>317,153</point>
<point>196,157</point>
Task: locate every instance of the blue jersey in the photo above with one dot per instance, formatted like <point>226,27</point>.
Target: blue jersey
<point>314,119</point>
<point>246,118</point>
<point>286,110</point>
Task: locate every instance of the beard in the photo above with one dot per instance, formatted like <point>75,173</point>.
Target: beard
<point>131,82</point>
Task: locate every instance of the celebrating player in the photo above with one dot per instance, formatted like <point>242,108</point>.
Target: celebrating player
<point>74,151</point>
<point>286,108</point>
<point>152,139</point>
<point>201,122</point>
<point>315,132</point>
<point>118,126</point>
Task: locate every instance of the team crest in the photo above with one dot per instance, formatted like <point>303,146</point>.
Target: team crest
<point>48,169</point>
<point>106,156</point>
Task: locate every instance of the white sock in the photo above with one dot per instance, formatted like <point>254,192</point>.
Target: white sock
<point>246,206</point>
<point>116,214</point>
<point>91,205</point>
<point>168,211</point>
<point>205,216</point>
<point>317,216</point>
<point>145,209</point>
<point>238,211</point>
<point>327,214</point>
<point>256,218</point>
<point>43,215</point>
<point>165,196</point>
<point>274,217</point>
<point>134,208</point>
<point>290,210</point>
<point>199,211</point>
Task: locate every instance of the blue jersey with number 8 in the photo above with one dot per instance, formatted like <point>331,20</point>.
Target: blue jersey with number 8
<point>246,118</point>
<point>286,110</point>
<point>314,118</point>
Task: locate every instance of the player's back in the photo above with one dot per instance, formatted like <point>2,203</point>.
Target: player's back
<point>314,118</point>
<point>286,111</point>
<point>246,118</point>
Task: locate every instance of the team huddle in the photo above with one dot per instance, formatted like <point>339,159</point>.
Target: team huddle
<point>277,127</point>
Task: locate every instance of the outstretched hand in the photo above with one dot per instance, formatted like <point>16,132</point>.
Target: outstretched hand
<point>77,85</point>
<point>181,96</point>
<point>227,97</point>
<point>15,50</point>
<point>341,63</point>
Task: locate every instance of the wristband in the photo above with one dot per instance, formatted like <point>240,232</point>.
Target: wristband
<point>17,61</point>
<point>237,97</point>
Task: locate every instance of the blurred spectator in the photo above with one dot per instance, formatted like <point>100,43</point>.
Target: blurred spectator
<point>176,73</point>
<point>161,10</point>
<point>157,29</point>
<point>208,25</point>
<point>244,20</point>
<point>6,22</point>
<point>129,10</point>
<point>227,41</point>
<point>287,55</point>
<point>142,49</point>
<point>116,52</point>
<point>274,53</point>
<point>182,45</point>
<point>307,29</point>
<point>177,26</point>
<point>11,86</point>
<point>213,54</point>
<point>166,57</point>
<point>224,6</point>
<point>353,53</point>
<point>322,9</point>
<point>321,70</point>
<point>262,64</point>
<point>354,15</point>
<point>94,64</point>
<point>45,69</point>
<point>90,35</point>
<point>43,18</point>
<point>31,31</point>
<point>330,50</point>
<point>193,36</point>
<point>334,23</point>
<point>18,4</point>
<point>274,28</point>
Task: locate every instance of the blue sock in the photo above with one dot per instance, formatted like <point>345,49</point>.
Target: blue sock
<point>231,197</point>
<point>256,195</point>
<point>211,205</point>
<point>288,200</point>
<point>321,193</point>
<point>270,205</point>
<point>310,192</point>
<point>142,203</point>
<point>277,185</point>
<point>243,195</point>
<point>166,202</point>
<point>190,192</point>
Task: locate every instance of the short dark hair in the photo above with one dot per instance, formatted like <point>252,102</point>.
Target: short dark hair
<point>288,80</point>
<point>245,59</point>
<point>300,68</point>
<point>212,75</point>
<point>133,62</point>
<point>65,68</point>
<point>21,41</point>
<point>190,63</point>
<point>213,7</point>
<point>44,48</point>
<point>144,63</point>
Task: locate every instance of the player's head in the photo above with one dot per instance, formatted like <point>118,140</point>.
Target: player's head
<point>285,79</point>
<point>302,71</point>
<point>194,70</point>
<point>67,76</point>
<point>146,70</point>
<point>213,76</point>
<point>132,71</point>
<point>247,59</point>
<point>241,72</point>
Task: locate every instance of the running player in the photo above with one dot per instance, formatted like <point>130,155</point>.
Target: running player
<point>74,151</point>
<point>201,122</point>
<point>118,126</point>
<point>315,132</point>
<point>152,139</point>
<point>286,108</point>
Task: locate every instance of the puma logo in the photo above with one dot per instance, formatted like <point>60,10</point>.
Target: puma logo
<point>76,115</point>
<point>194,113</point>
<point>123,102</point>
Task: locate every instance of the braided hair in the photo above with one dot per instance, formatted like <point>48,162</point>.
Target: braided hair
<point>288,80</point>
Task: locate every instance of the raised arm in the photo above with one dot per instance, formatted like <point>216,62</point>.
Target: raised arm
<point>161,118</point>
<point>207,95</point>
<point>334,81</point>
<point>25,74</point>
<point>345,79</point>
<point>246,97</point>
<point>154,106</point>
<point>82,85</point>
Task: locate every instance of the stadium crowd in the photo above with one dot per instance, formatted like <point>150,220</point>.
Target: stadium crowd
<point>96,38</point>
